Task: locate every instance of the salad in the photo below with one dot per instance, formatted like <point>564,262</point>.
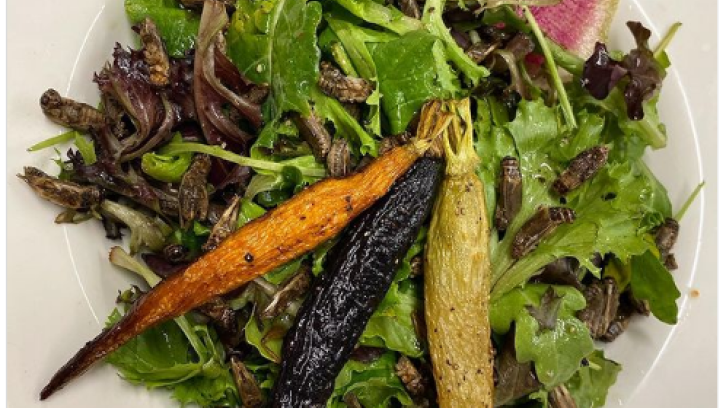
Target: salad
<point>354,203</point>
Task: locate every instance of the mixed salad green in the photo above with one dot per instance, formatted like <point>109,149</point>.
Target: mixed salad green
<point>532,100</point>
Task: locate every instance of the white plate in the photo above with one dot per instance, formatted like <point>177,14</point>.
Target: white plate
<point>61,287</point>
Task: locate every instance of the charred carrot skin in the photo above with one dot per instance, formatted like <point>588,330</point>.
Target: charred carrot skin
<point>343,299</point>
<point>283,234</point>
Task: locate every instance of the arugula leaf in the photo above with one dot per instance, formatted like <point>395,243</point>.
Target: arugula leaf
<point>556,353</point>
<point>274,42</point>
<point>589,386</point>
<point>248,211</point>
<point>177,27</point>
<point>86,148</point>
<point>145,231</point>
<point>293,175</point>
<point>311,171</point>
<point>345,125</point>
<point>271,133</point>
<point>264,371</point>
<point>354,40</point>
<point>284,272</point>
<point>266,337</point>
<point>375,384</point>
<point>320,254</point>
<point>409,74</point>
<point>62,138</point>
<point>434,22</point>
<point>651,281</point>
<point>386,16</point>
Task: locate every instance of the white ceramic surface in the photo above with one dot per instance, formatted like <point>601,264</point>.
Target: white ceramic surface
<point>61,287</point>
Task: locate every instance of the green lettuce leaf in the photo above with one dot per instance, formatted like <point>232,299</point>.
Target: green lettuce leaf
<point>272,133</point>
<point>651,281</point>
<point>274,42</point>
<point>493,143</point>
<point>386,16</point>
<point>177,27</point>
<point>434,22</point>
<point>412,70</point>
<point>86,148</point>
<point>610,208</point>
<point>391,326</point>
<point>330,110</point>
<point>590,384</point>
<point>354,40</point>
<point>161,357</point>
<point>557,352</point>
<point>166,167</point>
<point>650,130</point>
<point>375,384</point>
<point>266,337</point>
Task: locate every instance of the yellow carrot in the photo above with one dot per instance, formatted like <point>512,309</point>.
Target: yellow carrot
<point>457,276</point>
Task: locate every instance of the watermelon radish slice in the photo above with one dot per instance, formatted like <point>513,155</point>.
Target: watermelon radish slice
<point>577,24</point>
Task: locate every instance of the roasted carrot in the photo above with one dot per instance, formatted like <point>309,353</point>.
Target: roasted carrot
<point>297,226</point>
<point>457,276</point>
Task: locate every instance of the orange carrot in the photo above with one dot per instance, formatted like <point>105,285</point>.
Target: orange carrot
<point>283,234</point>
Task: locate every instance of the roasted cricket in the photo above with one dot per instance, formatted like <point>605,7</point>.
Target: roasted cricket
<point>314,133</point>
<point>344,88</point>
<point>665,239</point>
<point>193,195</point>
<point>61,192</point>
<point>69,113</point>
<point>510,193</point>
<point>538,227</point>
<point>581,169</point>
<point>339,158</point>
<point>154,52</point>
